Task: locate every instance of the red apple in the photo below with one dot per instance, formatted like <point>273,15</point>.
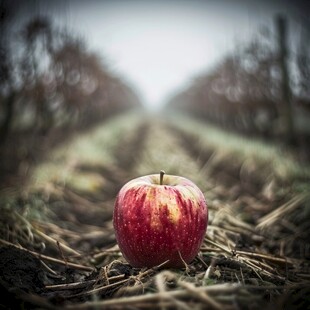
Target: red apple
<point>158,218</point>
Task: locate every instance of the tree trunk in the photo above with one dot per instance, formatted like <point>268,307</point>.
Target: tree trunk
<point>286,104</point>
<point>8,118</point>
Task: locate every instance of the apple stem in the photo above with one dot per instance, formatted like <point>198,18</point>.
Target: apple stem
<point>161,178</point>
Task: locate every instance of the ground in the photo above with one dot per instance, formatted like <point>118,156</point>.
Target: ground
<point>58,249</point>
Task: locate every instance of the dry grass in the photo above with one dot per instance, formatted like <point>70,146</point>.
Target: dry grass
<point>221,277</point>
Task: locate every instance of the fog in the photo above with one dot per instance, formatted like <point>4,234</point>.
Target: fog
<point>158,47</point>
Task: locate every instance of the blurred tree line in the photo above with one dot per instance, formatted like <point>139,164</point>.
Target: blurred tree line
<point>49,79</point>
<point>263,88</point>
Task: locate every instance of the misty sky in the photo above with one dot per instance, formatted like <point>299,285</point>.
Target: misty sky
<point>158,47</point>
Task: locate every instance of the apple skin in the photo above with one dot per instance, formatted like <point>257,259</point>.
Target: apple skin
<point>156,222</point>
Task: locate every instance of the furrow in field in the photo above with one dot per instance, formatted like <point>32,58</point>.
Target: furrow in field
<point>162,151</point>
<point>230,180</point>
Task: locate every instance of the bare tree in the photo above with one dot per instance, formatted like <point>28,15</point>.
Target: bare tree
<point>7,92</point>
<point>37,39</point>
<point>50,79</point>
<point>287,109</point>
<point>303,64</point>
